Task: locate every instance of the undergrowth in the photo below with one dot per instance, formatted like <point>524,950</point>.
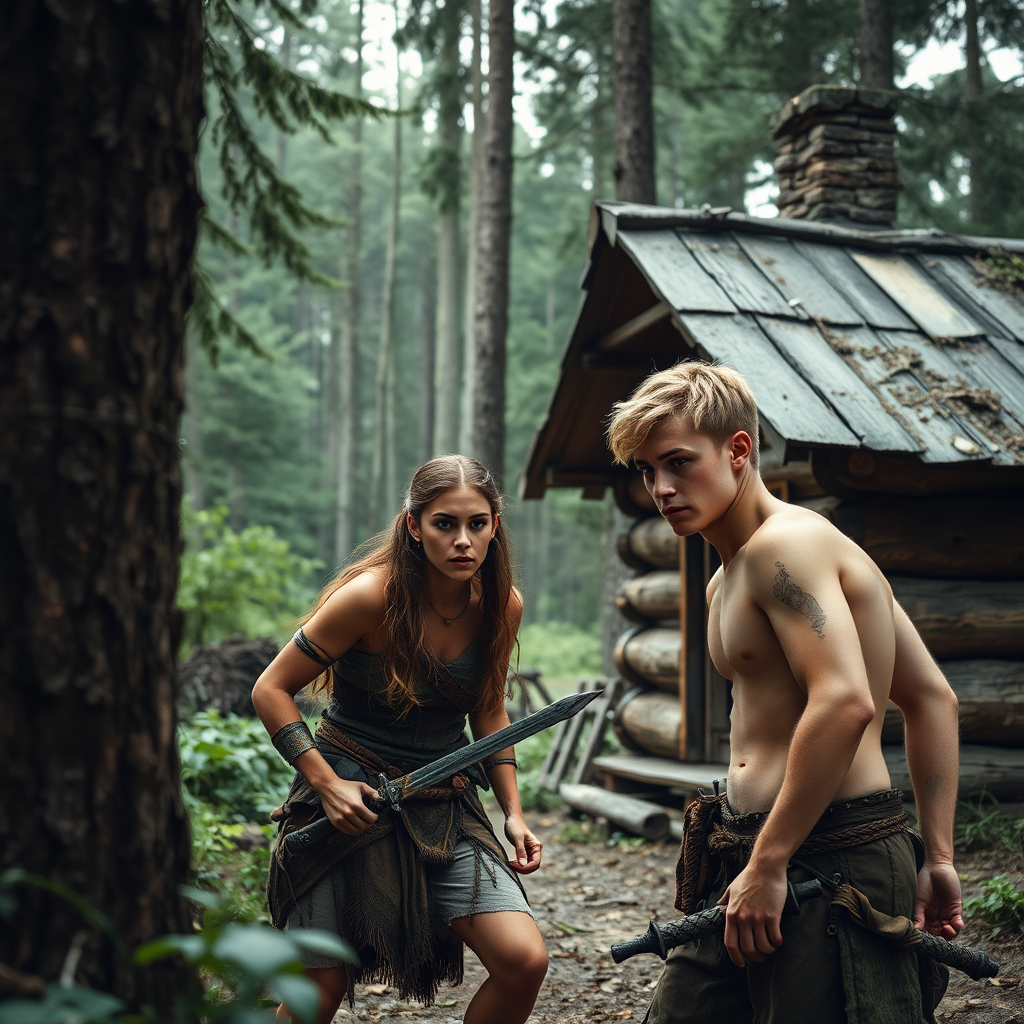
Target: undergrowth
<point>982,823</point>
<point>1001,903</point>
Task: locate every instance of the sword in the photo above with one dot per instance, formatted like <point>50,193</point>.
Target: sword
<point>394,791</point>
<point>694,927</point>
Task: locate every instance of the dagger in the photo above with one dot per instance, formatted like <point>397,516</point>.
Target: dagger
<point>394,791</point>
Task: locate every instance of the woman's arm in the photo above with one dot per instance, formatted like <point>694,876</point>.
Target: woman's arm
<point>503,776</point>
<point>349,614</point>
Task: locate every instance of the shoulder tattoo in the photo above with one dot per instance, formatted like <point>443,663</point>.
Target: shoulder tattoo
<point>799,600</point>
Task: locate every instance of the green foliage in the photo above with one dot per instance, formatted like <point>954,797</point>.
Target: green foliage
<point>1001,903</point>
<point>1005,270</point>
<point>230,764</point>
<point>560,650</point>
<point>579,833</point>
<point>248,968</point>
<point>64,1004</point>
<point>247,582</point>
<point>981,823</point>
<point>240,71</point>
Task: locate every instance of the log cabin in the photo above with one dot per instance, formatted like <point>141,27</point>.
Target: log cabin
<point>888,366</point>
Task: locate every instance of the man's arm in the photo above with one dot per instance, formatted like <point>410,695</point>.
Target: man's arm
<point>929,709</point>
<point>798,588</point>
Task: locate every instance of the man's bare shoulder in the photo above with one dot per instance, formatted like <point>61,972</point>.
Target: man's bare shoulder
<point>796,533</point>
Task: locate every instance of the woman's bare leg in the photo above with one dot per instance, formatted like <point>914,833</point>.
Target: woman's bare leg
<point>511,948</point>
<point>333,984</point>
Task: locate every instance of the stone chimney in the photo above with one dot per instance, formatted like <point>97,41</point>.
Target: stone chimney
<point>834,155</point>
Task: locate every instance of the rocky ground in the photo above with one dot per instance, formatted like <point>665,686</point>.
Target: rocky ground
<point>588,896</point>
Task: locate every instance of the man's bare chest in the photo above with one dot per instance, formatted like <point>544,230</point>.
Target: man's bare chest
<point>740,636</point>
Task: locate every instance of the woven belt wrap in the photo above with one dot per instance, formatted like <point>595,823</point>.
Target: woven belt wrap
<point>367,759</point>
<point>714,837</point>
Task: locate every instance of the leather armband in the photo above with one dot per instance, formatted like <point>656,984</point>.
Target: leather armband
<point>488,765</point>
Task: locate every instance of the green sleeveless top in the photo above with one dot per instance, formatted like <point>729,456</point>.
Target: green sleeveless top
<point>430,730</point>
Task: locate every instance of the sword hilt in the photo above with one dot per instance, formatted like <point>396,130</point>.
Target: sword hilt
<point>302,839</point>
<point>975,963</point>
<point>694,927</point>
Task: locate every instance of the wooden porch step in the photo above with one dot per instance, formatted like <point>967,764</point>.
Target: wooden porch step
<point>661,771</point>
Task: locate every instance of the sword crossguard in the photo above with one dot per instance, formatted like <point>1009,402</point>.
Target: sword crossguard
<point>389,792</point>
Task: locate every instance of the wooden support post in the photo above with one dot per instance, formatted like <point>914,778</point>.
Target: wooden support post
<point>691,661</point>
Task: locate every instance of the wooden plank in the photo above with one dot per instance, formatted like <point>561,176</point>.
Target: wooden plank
<point>662,771</point>
<point>601,712</point>
<point>965,618</point>
<point>904,395</point>
<point>960,272</point>
<point>991,697</point>
<point>631,328</point>
<point>834,378</point>
<point>784,398</point>
<point>721,256</point>
<point>905,283</point>
<point>933,370</point>
<point>799,279</point>
<point>961,536</point>
<point>839,269</point>
<point>693,647</point>
<point>673,271</point>
<point>997,770</point>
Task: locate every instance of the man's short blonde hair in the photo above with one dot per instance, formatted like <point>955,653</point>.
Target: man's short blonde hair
<point>717,399</point>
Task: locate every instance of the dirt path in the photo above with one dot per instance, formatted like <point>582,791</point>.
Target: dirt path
<point>589,896</point>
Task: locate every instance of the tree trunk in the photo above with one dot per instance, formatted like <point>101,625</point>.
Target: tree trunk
<point>447,379</point>
<point>476,167</point>
<point>192,428</point>
<point>876,70</point>
<point>495,240</point>
<point>347,359</point>
<point>975,142</point>
<point>98,130</point>
<point>428,322</point>
<point>634,110</point>
<point>382,464</point>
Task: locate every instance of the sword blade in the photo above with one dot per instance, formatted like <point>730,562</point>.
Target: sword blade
<point>445,767</point>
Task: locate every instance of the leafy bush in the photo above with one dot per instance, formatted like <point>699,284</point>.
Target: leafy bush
<point>560,650</point>
<point>230,764</point>
<point>249,582</point>
<point>1001,903</point>
<point>245,969</point>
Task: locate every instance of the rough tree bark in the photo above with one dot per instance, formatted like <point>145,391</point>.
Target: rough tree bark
<point>876,65</point>
<point>99,119</point>
<point>495,240</point>
<point>382,463</point>
<point>634,111</point>
<point>976,145</point>
<point>449,266</point>
<point>345,363</point>
<point>476,160</point>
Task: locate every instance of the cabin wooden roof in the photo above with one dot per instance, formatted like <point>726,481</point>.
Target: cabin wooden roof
<point>890,341</point>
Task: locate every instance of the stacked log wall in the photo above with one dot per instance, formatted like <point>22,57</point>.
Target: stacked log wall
<point>956,564</point>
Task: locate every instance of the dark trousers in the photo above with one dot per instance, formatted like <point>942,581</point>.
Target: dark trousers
<point>827,971</point>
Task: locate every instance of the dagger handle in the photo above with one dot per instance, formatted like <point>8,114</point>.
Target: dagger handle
<point>303,839</point>
<point>975,963</point>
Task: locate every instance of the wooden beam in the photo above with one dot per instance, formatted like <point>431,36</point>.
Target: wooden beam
<point>631,328</point>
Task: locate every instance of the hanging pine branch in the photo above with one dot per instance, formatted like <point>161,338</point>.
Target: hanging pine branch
<point>238,62</point>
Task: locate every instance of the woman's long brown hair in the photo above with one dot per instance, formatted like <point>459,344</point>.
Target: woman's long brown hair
<point>406,654</point>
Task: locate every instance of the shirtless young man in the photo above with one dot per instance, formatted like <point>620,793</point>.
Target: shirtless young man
<point>805,625</point>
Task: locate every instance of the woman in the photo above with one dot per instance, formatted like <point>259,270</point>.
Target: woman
<point>414,636</point>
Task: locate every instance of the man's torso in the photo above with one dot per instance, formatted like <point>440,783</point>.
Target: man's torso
<point>767,699</point>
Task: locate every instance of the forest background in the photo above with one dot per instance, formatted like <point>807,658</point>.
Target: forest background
<point>390,279</point>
